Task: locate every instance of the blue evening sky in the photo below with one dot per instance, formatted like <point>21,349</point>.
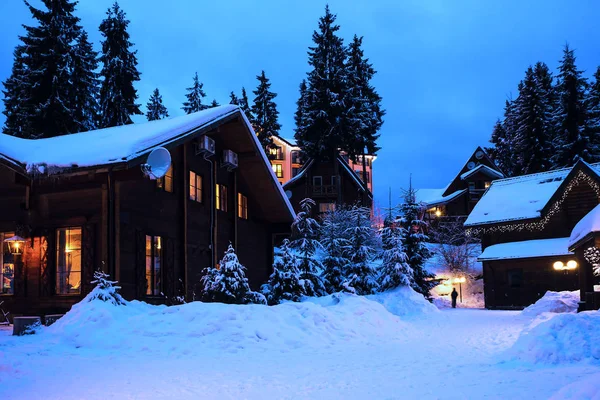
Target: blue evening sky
<point>445,68</point>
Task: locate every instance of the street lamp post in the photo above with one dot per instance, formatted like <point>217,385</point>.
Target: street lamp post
<point>460,281</point>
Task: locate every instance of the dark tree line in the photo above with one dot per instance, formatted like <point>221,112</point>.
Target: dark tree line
<point>553,121</point>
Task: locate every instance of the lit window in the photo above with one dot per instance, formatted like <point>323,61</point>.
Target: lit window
<point>153,264</point>
<point>195,187</point>
<point>278,169</point>
<point>7,267</point>
<point>487,184</point>
<point>221,197</point>
<point>242,206</point>
<point>324,207</point>
<point>68,261</point>
<point>166,182</point>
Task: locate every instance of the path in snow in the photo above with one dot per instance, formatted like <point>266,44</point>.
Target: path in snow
<point>451,355</point>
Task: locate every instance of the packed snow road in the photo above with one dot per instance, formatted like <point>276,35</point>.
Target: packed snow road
<point>452,354</point>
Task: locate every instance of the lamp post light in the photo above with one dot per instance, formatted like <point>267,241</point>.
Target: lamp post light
<point>15,245</point>
<point>460,281</point>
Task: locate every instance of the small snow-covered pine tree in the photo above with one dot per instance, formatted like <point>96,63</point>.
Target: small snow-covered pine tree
<point>194,97</point>
<point>284,283</point>
<point>105,290</point>
<point>155,108</point>
<point>265,113</point>
<point>359,275</point>
<point>228,283</point>
<point>413,242</point>
<point>395,271</point>
<point>118,96</point>
<point>305,233</point>
<point>334,232</point>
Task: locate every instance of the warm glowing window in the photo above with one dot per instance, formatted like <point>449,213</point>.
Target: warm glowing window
<point>166,182</point>
<point>487,184</point>
<point>68,261</point>
<point>153,265</point>
<point>221,197</point>
<point>7,267</point>
<point>195,187</point>
<point>242,206</point>
<point>278,169</point>
<point>324,207</point>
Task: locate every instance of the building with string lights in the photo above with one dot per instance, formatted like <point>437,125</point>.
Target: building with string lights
<point>525,224</point>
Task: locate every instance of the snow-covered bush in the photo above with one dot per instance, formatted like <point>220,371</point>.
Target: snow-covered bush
<point>284,283</point>
<point>395,270</point>
<point>105,290</point>
<point>228,283</point>
<point>334,232</point>
<point>359,275</point>
<point>305,234</point>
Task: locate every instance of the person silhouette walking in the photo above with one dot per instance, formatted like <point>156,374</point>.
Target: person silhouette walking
<point>454,296</point>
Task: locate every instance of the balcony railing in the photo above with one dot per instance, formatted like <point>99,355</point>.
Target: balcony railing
<point>324,190</point>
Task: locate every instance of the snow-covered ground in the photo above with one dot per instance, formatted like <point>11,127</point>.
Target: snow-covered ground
<point>386,346</point>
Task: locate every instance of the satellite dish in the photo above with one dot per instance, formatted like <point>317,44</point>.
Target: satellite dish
<point>471,165</point>
<point>159,162</point>
<point>479,155</point>
<point>288,193</point>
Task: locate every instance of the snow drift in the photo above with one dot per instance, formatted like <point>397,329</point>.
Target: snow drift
<point>564,338</point>
<point>195,327</point>
<point>554,302</point>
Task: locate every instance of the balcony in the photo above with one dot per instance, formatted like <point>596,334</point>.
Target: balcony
<point>276,154</point>
<point>324,190</point>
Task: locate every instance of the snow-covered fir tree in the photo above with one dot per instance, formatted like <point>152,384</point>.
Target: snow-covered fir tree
<point>118,96</point>
<point>233,99</point>
<point>301,104</point>
<point>284,283</point>
<point>324,124</point>
<point>105,290</point>
<point>214,104</point>
<point>228,283</point>
<point>265,112</point>
<point>15,94</point>
<point>43,80</point>
<point>499,150</point>
<point>413,242</point>
<point>86,85</point>
<point>394,271</point>
<point>194,96</point>
<point>305,234</point>
<point>360,277</point>
<point>593,108</point>
<point>155,107</point>
<point>334,239</point>
<point>572,140</point>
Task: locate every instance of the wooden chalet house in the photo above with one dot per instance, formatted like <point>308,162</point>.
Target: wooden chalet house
<point>82,202</point>
<point>525,224</point>
<point>464,191</point>
<point>328,185</point>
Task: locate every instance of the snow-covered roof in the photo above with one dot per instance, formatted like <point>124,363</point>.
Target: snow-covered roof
<point>518,198</point>
<point>588,224</point>
<point>491,172</point>
<point>432,197</point>
<point>526,249</point>
<point>106,146</point>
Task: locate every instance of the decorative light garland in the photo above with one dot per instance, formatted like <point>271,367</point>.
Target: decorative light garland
<point>556,207</point>
<point>592,255</point>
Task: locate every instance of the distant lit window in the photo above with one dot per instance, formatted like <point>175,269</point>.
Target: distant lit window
<point>68,261</point>
<point>221,197</point>
<point>195,187</point>
<point>7,267</point>
<point>324,207</point>
<point>166,182</point>
<point>278,169</point>
<point>153,265</point>
<point>242,206</point>
<point>487,184</point>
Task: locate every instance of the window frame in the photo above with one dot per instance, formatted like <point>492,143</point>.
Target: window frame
<point>166,182</point>
<point>277,169</point>
<point>4,253</point>
<point>330,207</point>
<point>198,192</point>
<point>221,197</point>
<point>315,178</point>
<point>57,252</point>
<point>154,286</point>
<point>242,206</point>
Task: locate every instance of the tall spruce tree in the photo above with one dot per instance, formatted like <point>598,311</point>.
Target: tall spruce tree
<point>305,241</point>
<point>233,99</point>
<point>572,140</point>
<point>301,105</point>
<point>323,129</point>
<point>194,97</point>
<point>245,105</point>
<point>155,107</point>
<point>593,108</point>
<point>16,91</point>
<point>48,53</point>
<point>265,112</point>
<point>86,85</point>
<point>119,72</point>
<point>413,242</point>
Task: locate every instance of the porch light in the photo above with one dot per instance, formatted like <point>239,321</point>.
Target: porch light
<point>15,245</point>
<point>571,264</point>
<point>438,213</point>
<point>560,266</point>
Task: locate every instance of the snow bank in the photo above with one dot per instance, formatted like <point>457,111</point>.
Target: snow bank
<point>585,388</point>
<point>564,338</point>
<point>554,302</point>
<point>194,327</point>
